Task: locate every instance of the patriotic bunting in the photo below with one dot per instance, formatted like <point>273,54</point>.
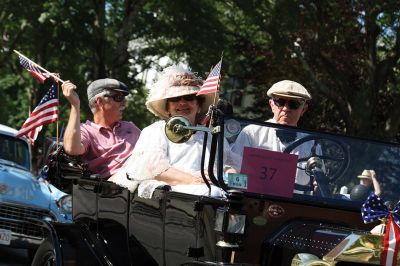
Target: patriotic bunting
<point>373,210</point>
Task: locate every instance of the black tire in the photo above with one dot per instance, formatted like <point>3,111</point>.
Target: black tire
<point>45,255</point>
<point>31,254</point>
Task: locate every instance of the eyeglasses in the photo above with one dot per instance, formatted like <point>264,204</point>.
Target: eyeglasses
<point>292,104</point>
<point>116,97</point>
<point>188,98</point>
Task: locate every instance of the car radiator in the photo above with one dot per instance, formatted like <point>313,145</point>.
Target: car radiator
<point>22,220</point>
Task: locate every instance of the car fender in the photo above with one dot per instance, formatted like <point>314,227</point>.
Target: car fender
<point>20,187</point>
<point>74,243</point>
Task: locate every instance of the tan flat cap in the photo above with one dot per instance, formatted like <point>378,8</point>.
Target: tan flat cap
<point>288,88</point>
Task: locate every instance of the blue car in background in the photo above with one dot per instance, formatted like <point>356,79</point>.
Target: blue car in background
<point>25,199</point>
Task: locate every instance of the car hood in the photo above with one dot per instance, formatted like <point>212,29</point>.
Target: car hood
<point>21,187</point>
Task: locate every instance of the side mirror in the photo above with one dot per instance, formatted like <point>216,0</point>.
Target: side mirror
<point>178,129</point>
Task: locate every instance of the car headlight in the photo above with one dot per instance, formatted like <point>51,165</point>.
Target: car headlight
<point>4,189</point>
<point>65,203</point>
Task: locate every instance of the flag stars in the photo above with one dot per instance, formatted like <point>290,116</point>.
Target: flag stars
<point>373,209</point>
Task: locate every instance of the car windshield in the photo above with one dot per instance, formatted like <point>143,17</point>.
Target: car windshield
<point>14,151</point>
<point>272,160</point>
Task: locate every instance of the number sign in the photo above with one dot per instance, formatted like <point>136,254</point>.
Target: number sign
<point>269,172</point>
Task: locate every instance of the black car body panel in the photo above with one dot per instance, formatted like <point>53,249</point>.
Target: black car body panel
<point>113,226</point>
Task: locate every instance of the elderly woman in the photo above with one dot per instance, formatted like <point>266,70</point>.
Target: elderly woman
<point>155,159</point>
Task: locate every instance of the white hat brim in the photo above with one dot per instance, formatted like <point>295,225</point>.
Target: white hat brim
<point>158,106</point>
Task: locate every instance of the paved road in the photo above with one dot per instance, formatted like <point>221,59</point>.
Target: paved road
<point>13,257</point>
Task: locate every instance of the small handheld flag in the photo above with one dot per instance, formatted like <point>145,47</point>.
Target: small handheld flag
<point>34,70</point>
<point>45,113</point>
<point>212,82</point>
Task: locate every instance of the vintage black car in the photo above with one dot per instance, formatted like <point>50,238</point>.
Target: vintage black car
<point>268,216</point>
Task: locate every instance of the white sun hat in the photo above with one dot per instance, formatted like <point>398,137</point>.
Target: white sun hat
<point>175,81</point>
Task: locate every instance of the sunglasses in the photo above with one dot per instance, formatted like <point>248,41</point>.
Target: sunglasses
<point>116,97</point>
<point>188,98</point>
<point>292,104</point>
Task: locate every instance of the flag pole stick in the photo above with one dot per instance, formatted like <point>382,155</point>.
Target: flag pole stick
<point>211,109</point>
<point>219,80</point>
<point>45,70</point>
<point>58,97</point>
<point>215,94</point>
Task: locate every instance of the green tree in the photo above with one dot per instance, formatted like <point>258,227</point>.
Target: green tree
<point>345,52</point>
<point>81,40</point>
<point>350,52</point>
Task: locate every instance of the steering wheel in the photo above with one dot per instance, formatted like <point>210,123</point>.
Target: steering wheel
<point>335,160</point>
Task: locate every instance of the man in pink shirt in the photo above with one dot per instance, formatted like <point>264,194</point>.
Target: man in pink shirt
<point>107,142</point>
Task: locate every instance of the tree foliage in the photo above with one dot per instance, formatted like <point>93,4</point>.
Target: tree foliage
<point>345,52</point>
<point>80,40</point>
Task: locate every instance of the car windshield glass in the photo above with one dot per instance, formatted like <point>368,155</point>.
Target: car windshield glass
<point>268,159</point>
<point>14,151</point>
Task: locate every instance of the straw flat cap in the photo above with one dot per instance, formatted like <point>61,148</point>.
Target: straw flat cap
<point>289,88</point>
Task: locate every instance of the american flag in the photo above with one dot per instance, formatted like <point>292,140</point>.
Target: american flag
<point>374,209</point>
<point>45,113</point>
<point>33,69</point>
<point>212,82</point>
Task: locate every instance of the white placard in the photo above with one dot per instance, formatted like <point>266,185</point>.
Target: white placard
<point>236,180</point>
<point>5,237</point>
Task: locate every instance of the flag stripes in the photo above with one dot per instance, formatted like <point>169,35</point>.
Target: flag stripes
<point>45,113</point>
<point>33,69</point>
<point>212,82</point>
<point>391,242</point>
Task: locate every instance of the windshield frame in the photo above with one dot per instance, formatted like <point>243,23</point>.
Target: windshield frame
<point>305,199</point>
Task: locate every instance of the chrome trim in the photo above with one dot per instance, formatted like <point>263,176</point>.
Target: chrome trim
<point>23,221</point>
